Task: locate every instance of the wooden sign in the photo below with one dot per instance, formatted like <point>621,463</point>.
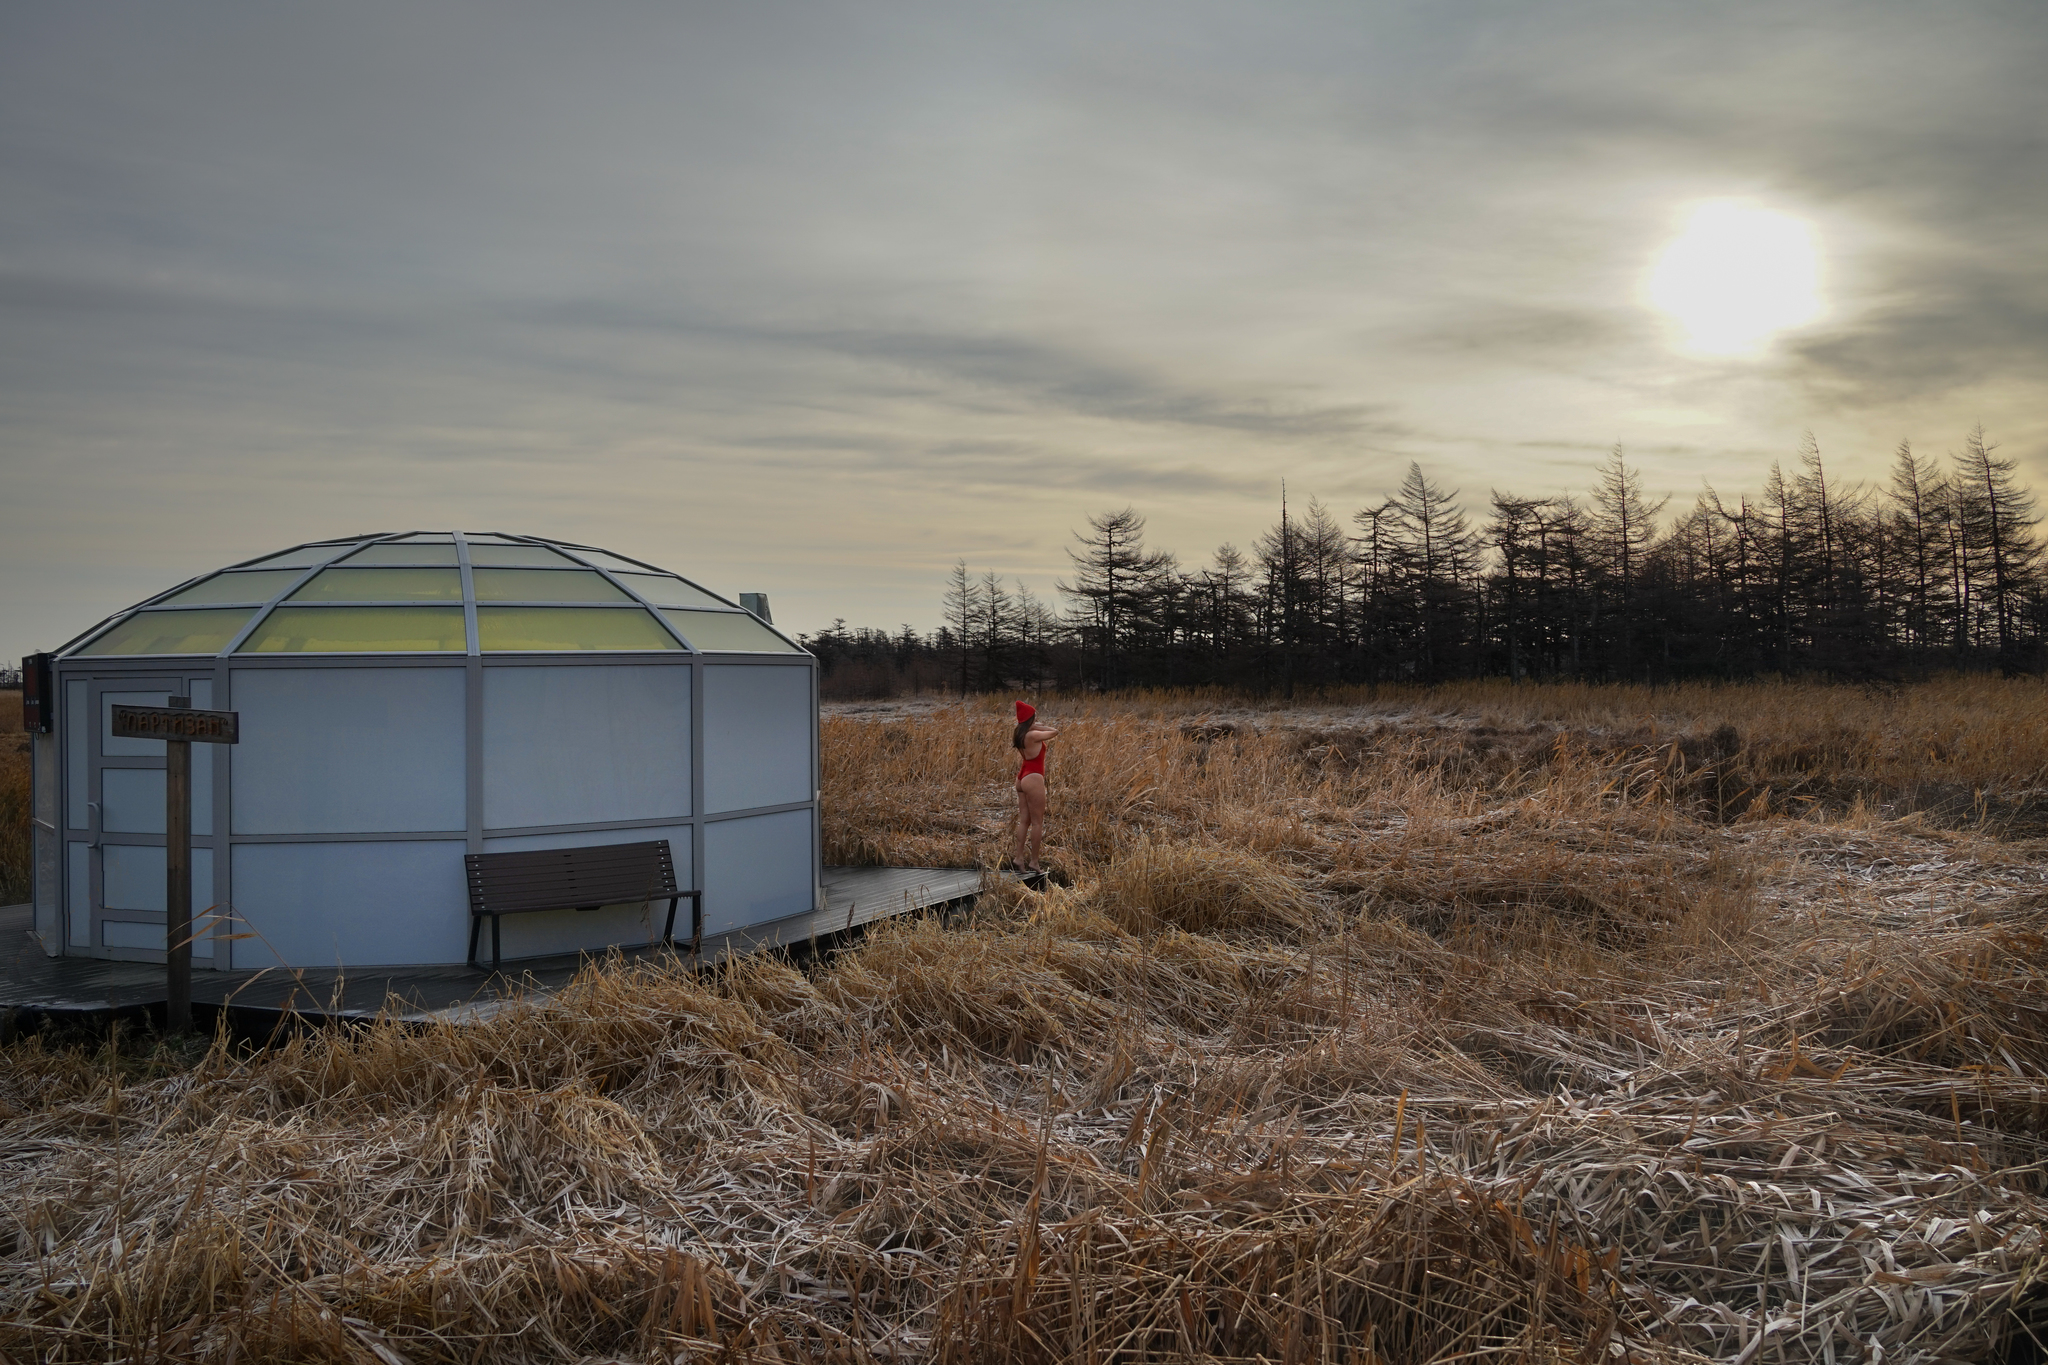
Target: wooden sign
<point>173,723</point>
<point>180,727</point>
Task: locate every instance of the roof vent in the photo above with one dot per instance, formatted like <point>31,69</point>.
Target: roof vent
<point>757,603</point>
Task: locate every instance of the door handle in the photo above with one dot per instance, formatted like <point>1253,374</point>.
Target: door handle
<point>93,807</point>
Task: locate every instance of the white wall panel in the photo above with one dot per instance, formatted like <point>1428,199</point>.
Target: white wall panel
<point>49,875</point>
<point>78,892</point>
<point>204,757</point>
<point>132,878</point>
<point>757,869</point>
<point>759,727</point>
<point>133,798</point>
<point>570,931</point>
<point>77,722</point>
<point>348,750</point>
<point>582,744</point>
<point>367,904</point>
<point>116,933</point>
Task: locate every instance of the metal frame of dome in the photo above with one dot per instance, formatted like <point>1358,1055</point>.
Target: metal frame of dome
<point>692,605</point>
<point>333,834</point>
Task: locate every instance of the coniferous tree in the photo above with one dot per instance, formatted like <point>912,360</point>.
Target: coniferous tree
<point>1999,526</point>
<point>1324,628</point>
<point>1436,557</point>
<point>1037,634</point>
<point>1306,568</point>
<point>1940,566</point>
<point>1841,548</point>
<point>1515,535</point>
<point>1226,613</point>
<point>1374,573</point>
<point>1567,540</point>
<point>1281,594</point>
<point>1624,523</point>
<point>996,628</point>
<point>1114,576</point>
<point>1917,515</point>
<point>963,610</point>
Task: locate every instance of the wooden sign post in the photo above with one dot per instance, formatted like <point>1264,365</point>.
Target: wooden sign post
<point>179,727</point>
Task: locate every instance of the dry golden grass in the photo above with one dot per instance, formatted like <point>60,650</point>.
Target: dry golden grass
<point>1537,1023</point>
<point>15,851</point>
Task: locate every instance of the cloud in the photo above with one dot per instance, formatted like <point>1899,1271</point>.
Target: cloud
<point>1048,376</point>
<point>983,368</point>
<point>1533,333</point>
<point>1965,322</point>
<point>870,283</point>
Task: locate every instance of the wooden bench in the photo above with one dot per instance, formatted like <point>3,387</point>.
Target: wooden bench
<point>575,879</point>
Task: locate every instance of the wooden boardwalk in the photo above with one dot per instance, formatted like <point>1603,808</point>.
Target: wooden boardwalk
<point>33,984</point>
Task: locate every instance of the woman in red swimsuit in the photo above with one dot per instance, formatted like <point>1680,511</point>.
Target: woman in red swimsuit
<point>1030,740</point>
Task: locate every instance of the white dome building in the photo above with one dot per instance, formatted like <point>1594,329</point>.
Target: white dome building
<point>406,699</point>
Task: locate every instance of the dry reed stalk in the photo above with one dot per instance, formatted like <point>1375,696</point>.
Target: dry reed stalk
<point>1353,1039</point>
<point>16,855</point>
<point>1203,889</point>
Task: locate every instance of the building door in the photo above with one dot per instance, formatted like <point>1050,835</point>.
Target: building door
<point>116,875</point>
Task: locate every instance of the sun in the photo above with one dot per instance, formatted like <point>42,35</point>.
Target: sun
<point>1736,276</point>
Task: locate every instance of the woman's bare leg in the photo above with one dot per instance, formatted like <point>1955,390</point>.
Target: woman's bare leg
<point>1031,822</point>
<point>1020,832</point>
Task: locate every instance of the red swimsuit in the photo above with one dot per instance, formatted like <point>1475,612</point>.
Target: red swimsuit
<point>1034,765</point>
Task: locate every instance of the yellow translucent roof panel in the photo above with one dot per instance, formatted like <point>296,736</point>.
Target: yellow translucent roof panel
<point>409,552</point>
<point>545,585</point>
<point>260,586</point>
<point>664,591</point>
<point>359,630</point>
<point>517,556</point>
<point>305,557</point>
<point>382,585</point>
<point>610,561</point>
<point>728,632</point>
<point>171,632</point>
<point>503,629</point>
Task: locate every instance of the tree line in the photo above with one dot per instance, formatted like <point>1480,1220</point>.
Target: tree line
<point>1938,566</point>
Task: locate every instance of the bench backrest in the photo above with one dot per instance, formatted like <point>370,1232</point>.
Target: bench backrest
<point>569,878</point>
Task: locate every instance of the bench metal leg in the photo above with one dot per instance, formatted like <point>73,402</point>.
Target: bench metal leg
<point>476,926</point>
<point>668,934</point>
<point>494,942</point>
<point>697,926</point>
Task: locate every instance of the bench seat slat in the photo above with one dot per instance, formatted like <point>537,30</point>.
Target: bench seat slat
<point>575,899</point>
<point>546,885</point>
<point>551,858</point>
<point>635,886</point>
<point>649,848</point>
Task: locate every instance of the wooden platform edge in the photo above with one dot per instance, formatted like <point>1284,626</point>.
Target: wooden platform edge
<point>91,987</point>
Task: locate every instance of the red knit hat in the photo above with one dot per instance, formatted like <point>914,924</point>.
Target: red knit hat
<point>1025,711</point>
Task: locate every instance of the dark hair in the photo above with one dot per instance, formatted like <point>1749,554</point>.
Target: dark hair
<point>1023,729</point>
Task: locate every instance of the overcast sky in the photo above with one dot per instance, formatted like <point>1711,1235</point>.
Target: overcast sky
<point>813,299</point>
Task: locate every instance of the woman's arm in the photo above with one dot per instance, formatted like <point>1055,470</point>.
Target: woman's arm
<point>1040,733</point>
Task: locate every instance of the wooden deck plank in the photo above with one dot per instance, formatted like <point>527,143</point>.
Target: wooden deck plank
<point>856,896</point>
<point>33,982</point>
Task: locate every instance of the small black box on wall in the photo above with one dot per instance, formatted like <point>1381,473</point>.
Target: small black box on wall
<point>38,694</point>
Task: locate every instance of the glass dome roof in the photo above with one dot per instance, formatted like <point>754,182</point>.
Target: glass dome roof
<point>433,592</point>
